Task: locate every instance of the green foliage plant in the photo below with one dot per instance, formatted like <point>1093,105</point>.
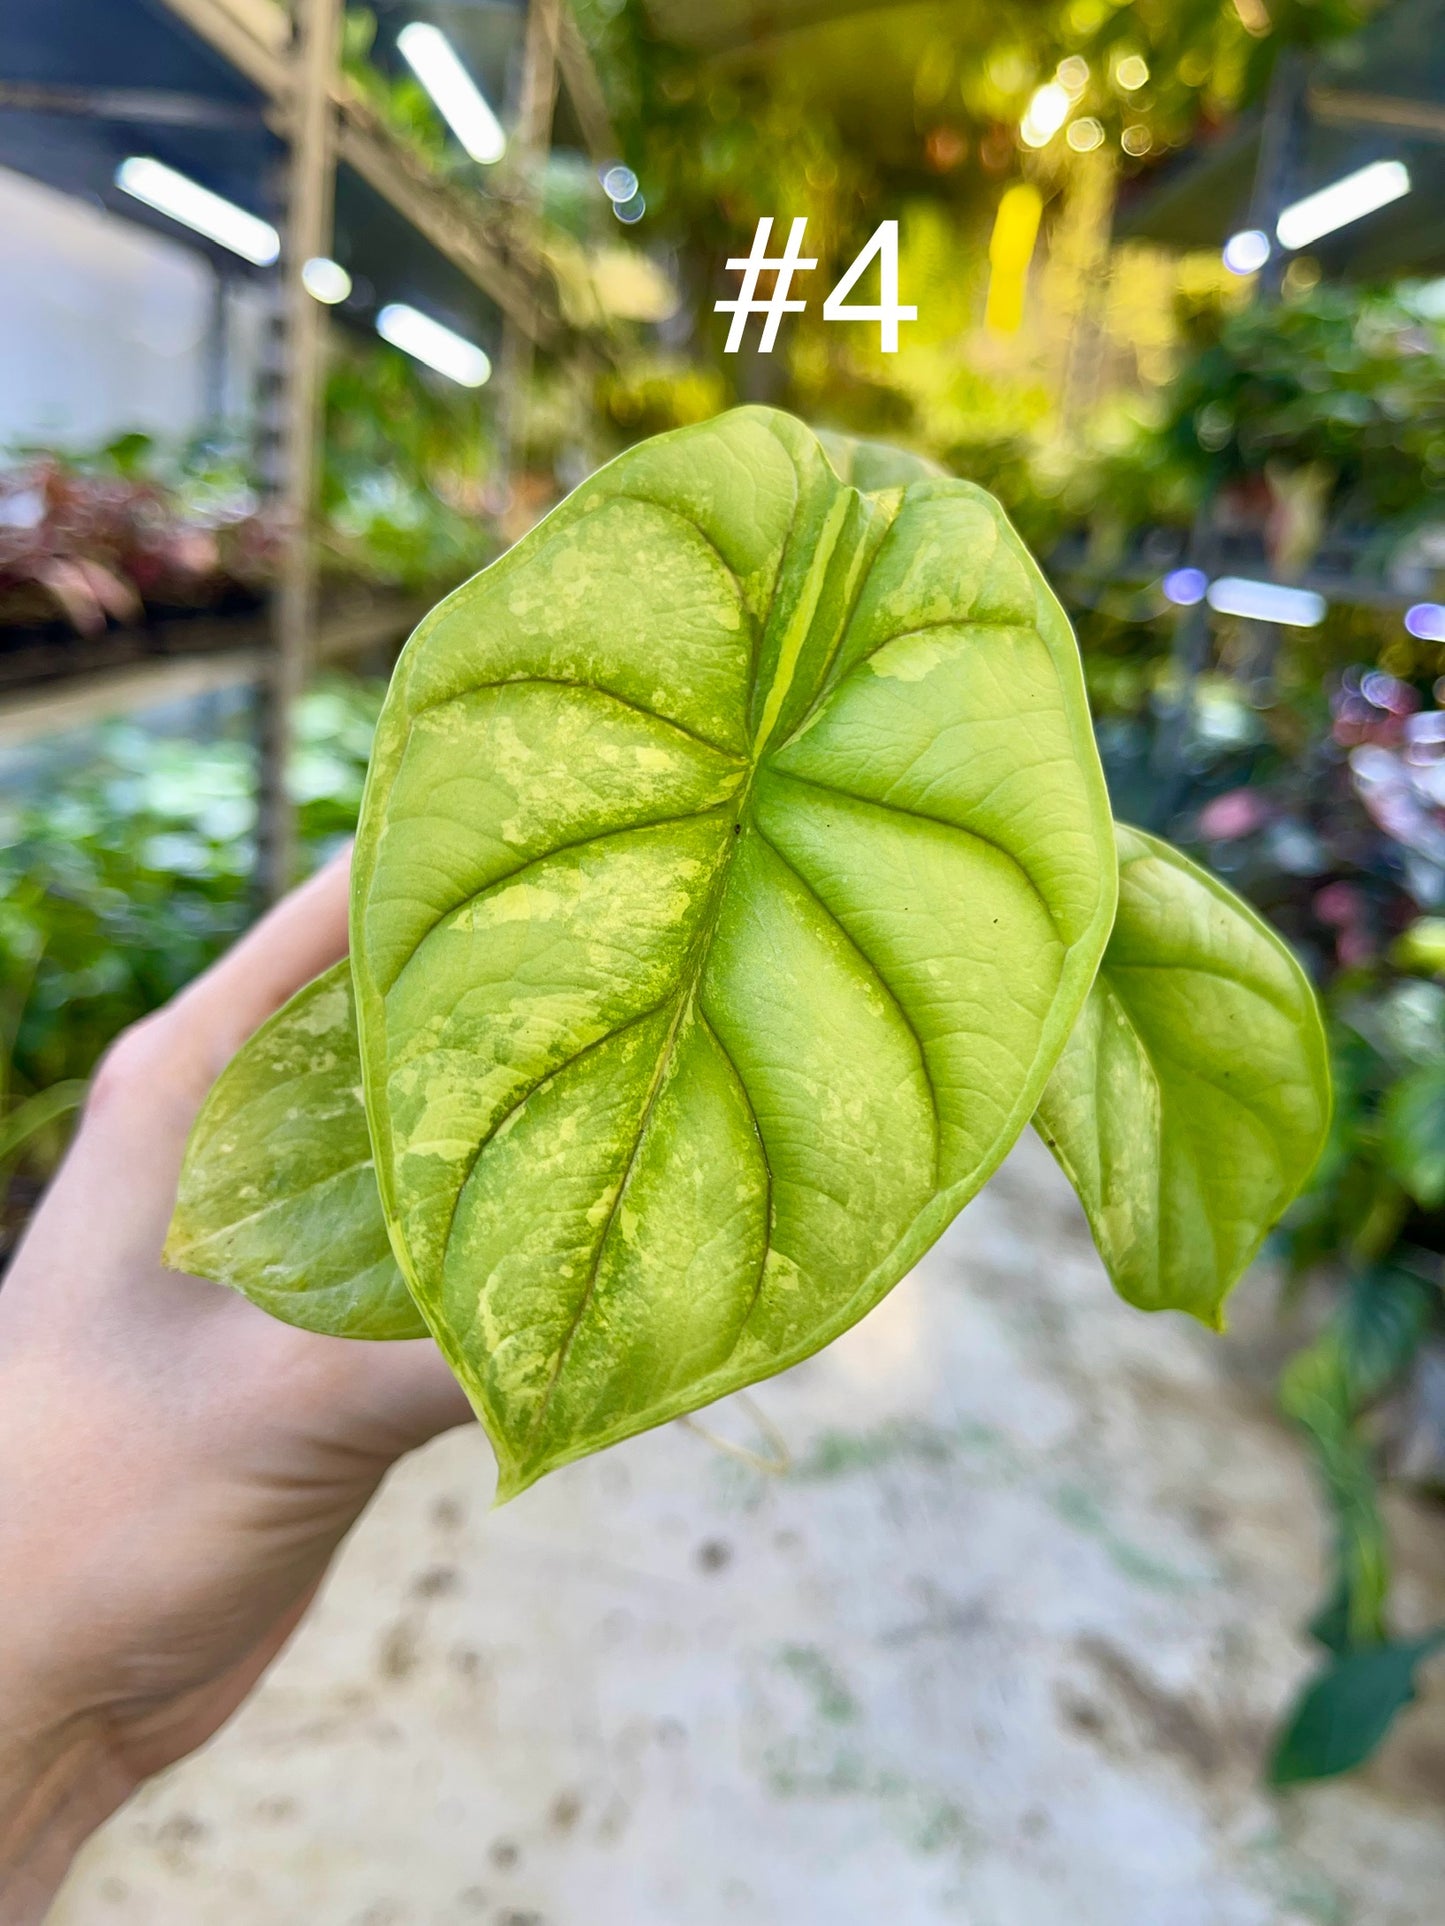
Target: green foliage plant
<point>732,886</point>
<point>124,874</point>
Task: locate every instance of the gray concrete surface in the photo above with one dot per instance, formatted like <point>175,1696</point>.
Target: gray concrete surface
<point>1001,1649</point>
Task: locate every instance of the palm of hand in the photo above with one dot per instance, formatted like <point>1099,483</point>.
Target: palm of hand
<point>176,1469</point>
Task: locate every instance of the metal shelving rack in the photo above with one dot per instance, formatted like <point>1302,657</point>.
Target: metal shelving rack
<point>290,58</point>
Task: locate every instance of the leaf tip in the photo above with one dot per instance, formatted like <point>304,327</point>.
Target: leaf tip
<point>511,1483</point>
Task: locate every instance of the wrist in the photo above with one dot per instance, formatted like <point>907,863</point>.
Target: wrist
<point>57,1785</point>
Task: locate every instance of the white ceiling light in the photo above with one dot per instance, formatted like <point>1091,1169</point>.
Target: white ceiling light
<point>433,59</point>
<point>1247,251</point>
<point>197,208</point>
<point>325,280</point>
<point>426,340</point>
<point>1045,114</point>
<point>1346,200</point>
<point>1267,602</point>
<point>1185,587</point>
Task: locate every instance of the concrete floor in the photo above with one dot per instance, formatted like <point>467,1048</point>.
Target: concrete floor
<point>1001,1649</point>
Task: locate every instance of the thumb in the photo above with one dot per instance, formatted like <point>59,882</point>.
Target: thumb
<point>381,1399</point>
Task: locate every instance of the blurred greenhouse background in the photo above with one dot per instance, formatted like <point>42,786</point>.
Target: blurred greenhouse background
<point>1179,272</point>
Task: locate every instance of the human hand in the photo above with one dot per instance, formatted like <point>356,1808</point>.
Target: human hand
<point>176,1468</point>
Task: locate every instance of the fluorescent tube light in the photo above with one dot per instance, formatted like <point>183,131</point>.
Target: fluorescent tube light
<point>197,208</point>
<point>426,340</point>
<point>1427,621</point>
<point>325,280</point>
<point>1346,200</point>
<point>1267,602</point>
<point>433,59</point>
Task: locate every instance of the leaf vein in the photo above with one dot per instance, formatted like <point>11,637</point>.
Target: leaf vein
<point>939,822</point>
<point>587,688</point>
<point>520,1103</point>
<point>545,856</point>
<point>887,987</point>
<point>1214,970</point>
<point>281,1203</point>
<point>732,1064</point>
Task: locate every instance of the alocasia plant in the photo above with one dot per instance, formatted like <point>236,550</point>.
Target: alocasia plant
<point>732,884</point>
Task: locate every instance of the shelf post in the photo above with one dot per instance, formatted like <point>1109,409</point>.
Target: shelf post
<point>531,141</point>
<point>306,232</point>
<point>1281,138</point>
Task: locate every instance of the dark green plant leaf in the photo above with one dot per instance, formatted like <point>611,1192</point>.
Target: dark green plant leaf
<point>1367,1343</point>
<point>278,1195</point>
<point>734,863</point>
<point>1414,1134</point>
<point>1330,1625</point>
<point>36,1113</point>
<point>1316,1391</point>
<point>1193,1097</point>
<point>1347,1709</point>
<point>1379,1326</point>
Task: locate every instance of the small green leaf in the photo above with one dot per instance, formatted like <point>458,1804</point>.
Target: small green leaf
<point>1315,1390</point>
<point>1347,1708</point>
<point>1325,1387</point>
<point>33,1114</point>
<point>278,1195</point>
<point>1380,1323</point>
<point>1193,1097</point>
<point>1330,1625</point>
<point>1414,1134</point>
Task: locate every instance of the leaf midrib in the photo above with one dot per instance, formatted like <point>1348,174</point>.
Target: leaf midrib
<point>801,619</point>
<point>686,996</point>
<point>307,1189</point>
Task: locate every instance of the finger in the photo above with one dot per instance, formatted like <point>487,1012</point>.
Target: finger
<point>302,936</point>
<point>382,1398</point>
<point>418,1394</point>
<point>117,1185</point>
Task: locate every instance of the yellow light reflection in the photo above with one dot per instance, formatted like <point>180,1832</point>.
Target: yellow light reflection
<point>1010,250</point>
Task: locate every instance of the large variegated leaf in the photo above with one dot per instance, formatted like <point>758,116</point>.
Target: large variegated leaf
<point>1193,1097</point>
<point>734,864</point>
<point>278,1195</point>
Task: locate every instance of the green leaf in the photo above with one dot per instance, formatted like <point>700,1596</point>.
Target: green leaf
<point>1330,1625</point>
<point>1316,1390</point>
<point>1367,1343</point>
<point>278,1195</point>
<point>734,864</point>
<point>1379,1325</point>
<point>1414,1134</point>
<point>1193,1097</point>
<point>875,464</point>
<point>33,1114</point>
<point>1347,1708</point>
